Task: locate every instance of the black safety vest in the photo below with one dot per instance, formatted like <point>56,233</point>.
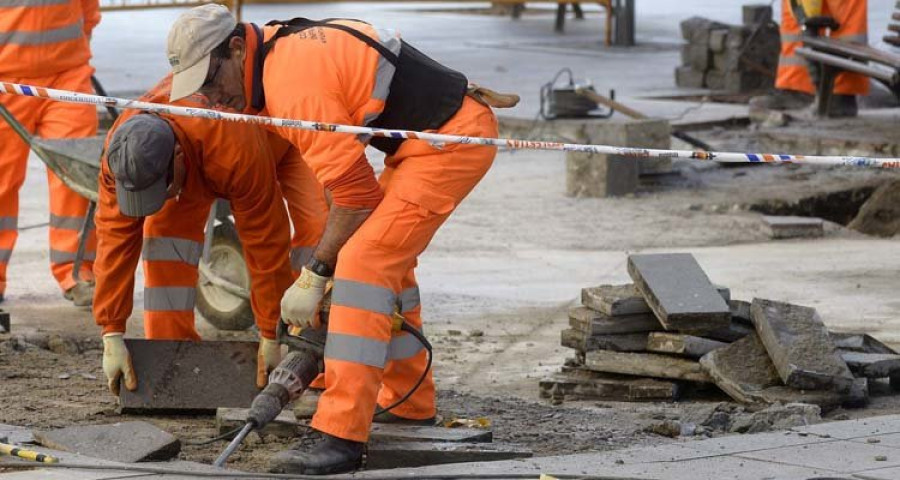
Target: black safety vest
<point>423,93</point>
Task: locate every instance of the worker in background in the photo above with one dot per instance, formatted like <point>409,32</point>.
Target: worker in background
<point>795,83</point>
<point>159,177</point>
<point>349,72</point>
<point>47,44</point>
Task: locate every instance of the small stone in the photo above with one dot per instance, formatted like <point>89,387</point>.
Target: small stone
<point>873,440</point>
<point>88,376</point>
<point>454,333</point>
<point>63,376</point>
<point>476,333</point>
<point>881,458</point>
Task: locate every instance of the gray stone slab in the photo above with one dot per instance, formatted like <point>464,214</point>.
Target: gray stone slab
<point>406,433</point>
<point>799,346</point>
<point>794,227</point>
<point>850,429</point>
<point>126,442</point>
<point>5,326</point>
<point>615,300</point>
<point>860,342</point>
<point>680,344</point>
<point>284,425</point>
<point>717,39</point>
<point>416,454</point>
<point>586,385</point>
<point>735,331</point>
<point>737,444</point>
<point>591,175</point>
<point>840,456</point>
<point>688,77</point>
<point>679,292</point>
<point>190,377</point>
<point>593,323</point>
<point>16,435</point>
<point>871,365</point>
<point>645,365</point>
<point>740,312</point>
<point>627,342</point>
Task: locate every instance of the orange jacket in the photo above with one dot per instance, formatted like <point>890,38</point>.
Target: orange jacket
<point>41,38</point>
<point>342,81</point>
<point>225,160</point>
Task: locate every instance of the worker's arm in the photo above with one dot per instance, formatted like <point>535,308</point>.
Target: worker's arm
<point>91,11</point>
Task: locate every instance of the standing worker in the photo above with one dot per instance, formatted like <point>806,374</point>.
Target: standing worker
<point>349,72</point>
<point>159,177</point>
<point>47,44</point>
<point>795,88</point>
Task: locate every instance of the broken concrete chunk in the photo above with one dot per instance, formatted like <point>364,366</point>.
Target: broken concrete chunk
<point>615,300</point>
<point>871,365</point>
<point>645,365</point>
<point>591,322</point>
<point>628,342</point>
<point>794,227</point>
<point>799,346</point>
<point>418,454</point>
<point>860,342</point>
<point>126,442</point>
<point>580,384</point>
<point>284,425</point>
<point>679,344</point>
<point>190,377</point>
<point>679,292</point>
<point>740,312</point>
<point>383,432</point>
<point>880,215</point>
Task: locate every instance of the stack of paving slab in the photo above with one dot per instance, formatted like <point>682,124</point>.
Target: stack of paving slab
<point>673,329</point>
<point>734,58</point>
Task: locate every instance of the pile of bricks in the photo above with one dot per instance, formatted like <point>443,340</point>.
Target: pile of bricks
<point>734,58</point>
<point>673,330</point>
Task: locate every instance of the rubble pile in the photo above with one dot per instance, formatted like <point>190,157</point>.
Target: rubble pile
<point>672,330</point>
<point>734,58</point>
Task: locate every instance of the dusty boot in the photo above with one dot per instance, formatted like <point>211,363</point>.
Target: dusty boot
<point>318,453</point>
<point>81,295</point>
<point>388,417</point>
<point>843,106</point>
<point>782,100</point>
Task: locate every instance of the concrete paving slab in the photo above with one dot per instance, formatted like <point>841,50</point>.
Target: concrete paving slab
<point>626,342</point>
<point>872,365</point>
<point>615,300</point>
<point>851,429</point>
<point>720,468</point>
<point>646,365</point>
<point>15,434</point>
<point>879,474</point>
<point>593,322</point>
<point>794,227</point>
<point>126,442</point>
<point>736,444</point>
<point>839,456</point>
<point>683,345</point>
<point>860,342</point>
<point>587,385</point>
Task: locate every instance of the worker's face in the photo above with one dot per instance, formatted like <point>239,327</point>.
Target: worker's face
<point>225,83</point>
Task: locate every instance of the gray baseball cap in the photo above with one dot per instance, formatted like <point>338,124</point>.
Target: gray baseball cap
<point>140,154</point>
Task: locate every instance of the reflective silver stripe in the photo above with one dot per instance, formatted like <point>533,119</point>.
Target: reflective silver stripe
<point>172,249</point>
<point>791,37</point>
<point>791,61</point>
<point>5,255</point>
<point>56,35</point>
<point>409,299</point>
<point>59,256</point>
<point>31,3</point>
<point>348,293</point>
<point>169,299</point>
<point>9,223</point>
<point>66,223</point>
<point>300,256</point>
<point>384,73</point>
<point>351,348</point>
<point>404,346</point>
<point>861,38</point>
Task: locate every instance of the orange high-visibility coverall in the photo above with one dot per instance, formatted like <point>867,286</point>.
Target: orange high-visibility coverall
<point>46,44</point>
<point>793,73</point>
<point>344,81</point>
<point>226,160</point>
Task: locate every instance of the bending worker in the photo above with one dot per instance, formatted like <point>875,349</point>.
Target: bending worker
<point>47,44</point>
<point>159,177</point>
<point>795,83</point>
<point>349,72</point>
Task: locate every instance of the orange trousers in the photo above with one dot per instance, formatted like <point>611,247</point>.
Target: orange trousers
<point>793,71</point>
<point>173,245</point>
<point>67,209</point>
<point>365,363</point>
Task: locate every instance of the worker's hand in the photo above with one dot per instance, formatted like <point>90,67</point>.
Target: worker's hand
<point>267,359</point>
<point>300,303</point>
<point>117,363</point>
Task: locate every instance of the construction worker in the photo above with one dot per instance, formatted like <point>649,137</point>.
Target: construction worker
<point>47,44</point>
<point>795,83</point>
<point>159,177</point>
<point>349,72</point>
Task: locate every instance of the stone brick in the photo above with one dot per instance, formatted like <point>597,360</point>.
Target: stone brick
<point>714,80</point>
<point>756,13</point>
<point>190,377</point>
<point>696,56</point>
<point>740,311</point>
<point>794,227</point>
<point>871,365</point>
<point>591,175</point>
<point>717,39</point>
<point>799,346</point>
<point>592,323</point>
<point>860,342</point>
<point>284,425</point>
<point>682,345</point>
<point>697,29</point>
<point>629,342</point>
<point>645,365</point>
<point>126,442</point>
<point>688,77</point>
<point>679,292</point>
<point>615,300</point>
<point>587,385</point>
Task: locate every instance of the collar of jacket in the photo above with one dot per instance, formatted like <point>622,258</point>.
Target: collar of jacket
<point>253,69</point>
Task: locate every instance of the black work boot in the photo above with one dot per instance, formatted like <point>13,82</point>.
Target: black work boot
<point>782,100</point>
<point>843,106</point>
<point>318,453</point>
<point>388,417</point>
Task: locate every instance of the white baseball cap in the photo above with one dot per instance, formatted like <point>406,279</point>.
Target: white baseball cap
<point>192,38</point>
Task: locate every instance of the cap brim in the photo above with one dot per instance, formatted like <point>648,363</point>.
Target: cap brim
<point>188,81</point>
<point>143,202</point>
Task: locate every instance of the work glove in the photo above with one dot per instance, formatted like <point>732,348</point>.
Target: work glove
<point>268,357</point>
<point>300,303</point>
<point>117,363</point>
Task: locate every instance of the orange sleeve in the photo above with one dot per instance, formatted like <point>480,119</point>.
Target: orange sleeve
<point>91,11</point>
<point>119,243</point>
<point>260,216</point>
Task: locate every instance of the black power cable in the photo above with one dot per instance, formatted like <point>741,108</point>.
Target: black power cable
<point>425,343</point>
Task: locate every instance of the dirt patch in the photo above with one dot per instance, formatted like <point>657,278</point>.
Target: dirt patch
<point>839,207</point>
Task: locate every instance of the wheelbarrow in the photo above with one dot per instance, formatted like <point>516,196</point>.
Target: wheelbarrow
<point>223,290</point>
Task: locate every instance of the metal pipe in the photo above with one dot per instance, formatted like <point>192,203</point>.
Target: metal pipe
<point>220,462</point>
<point>846,64</point>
